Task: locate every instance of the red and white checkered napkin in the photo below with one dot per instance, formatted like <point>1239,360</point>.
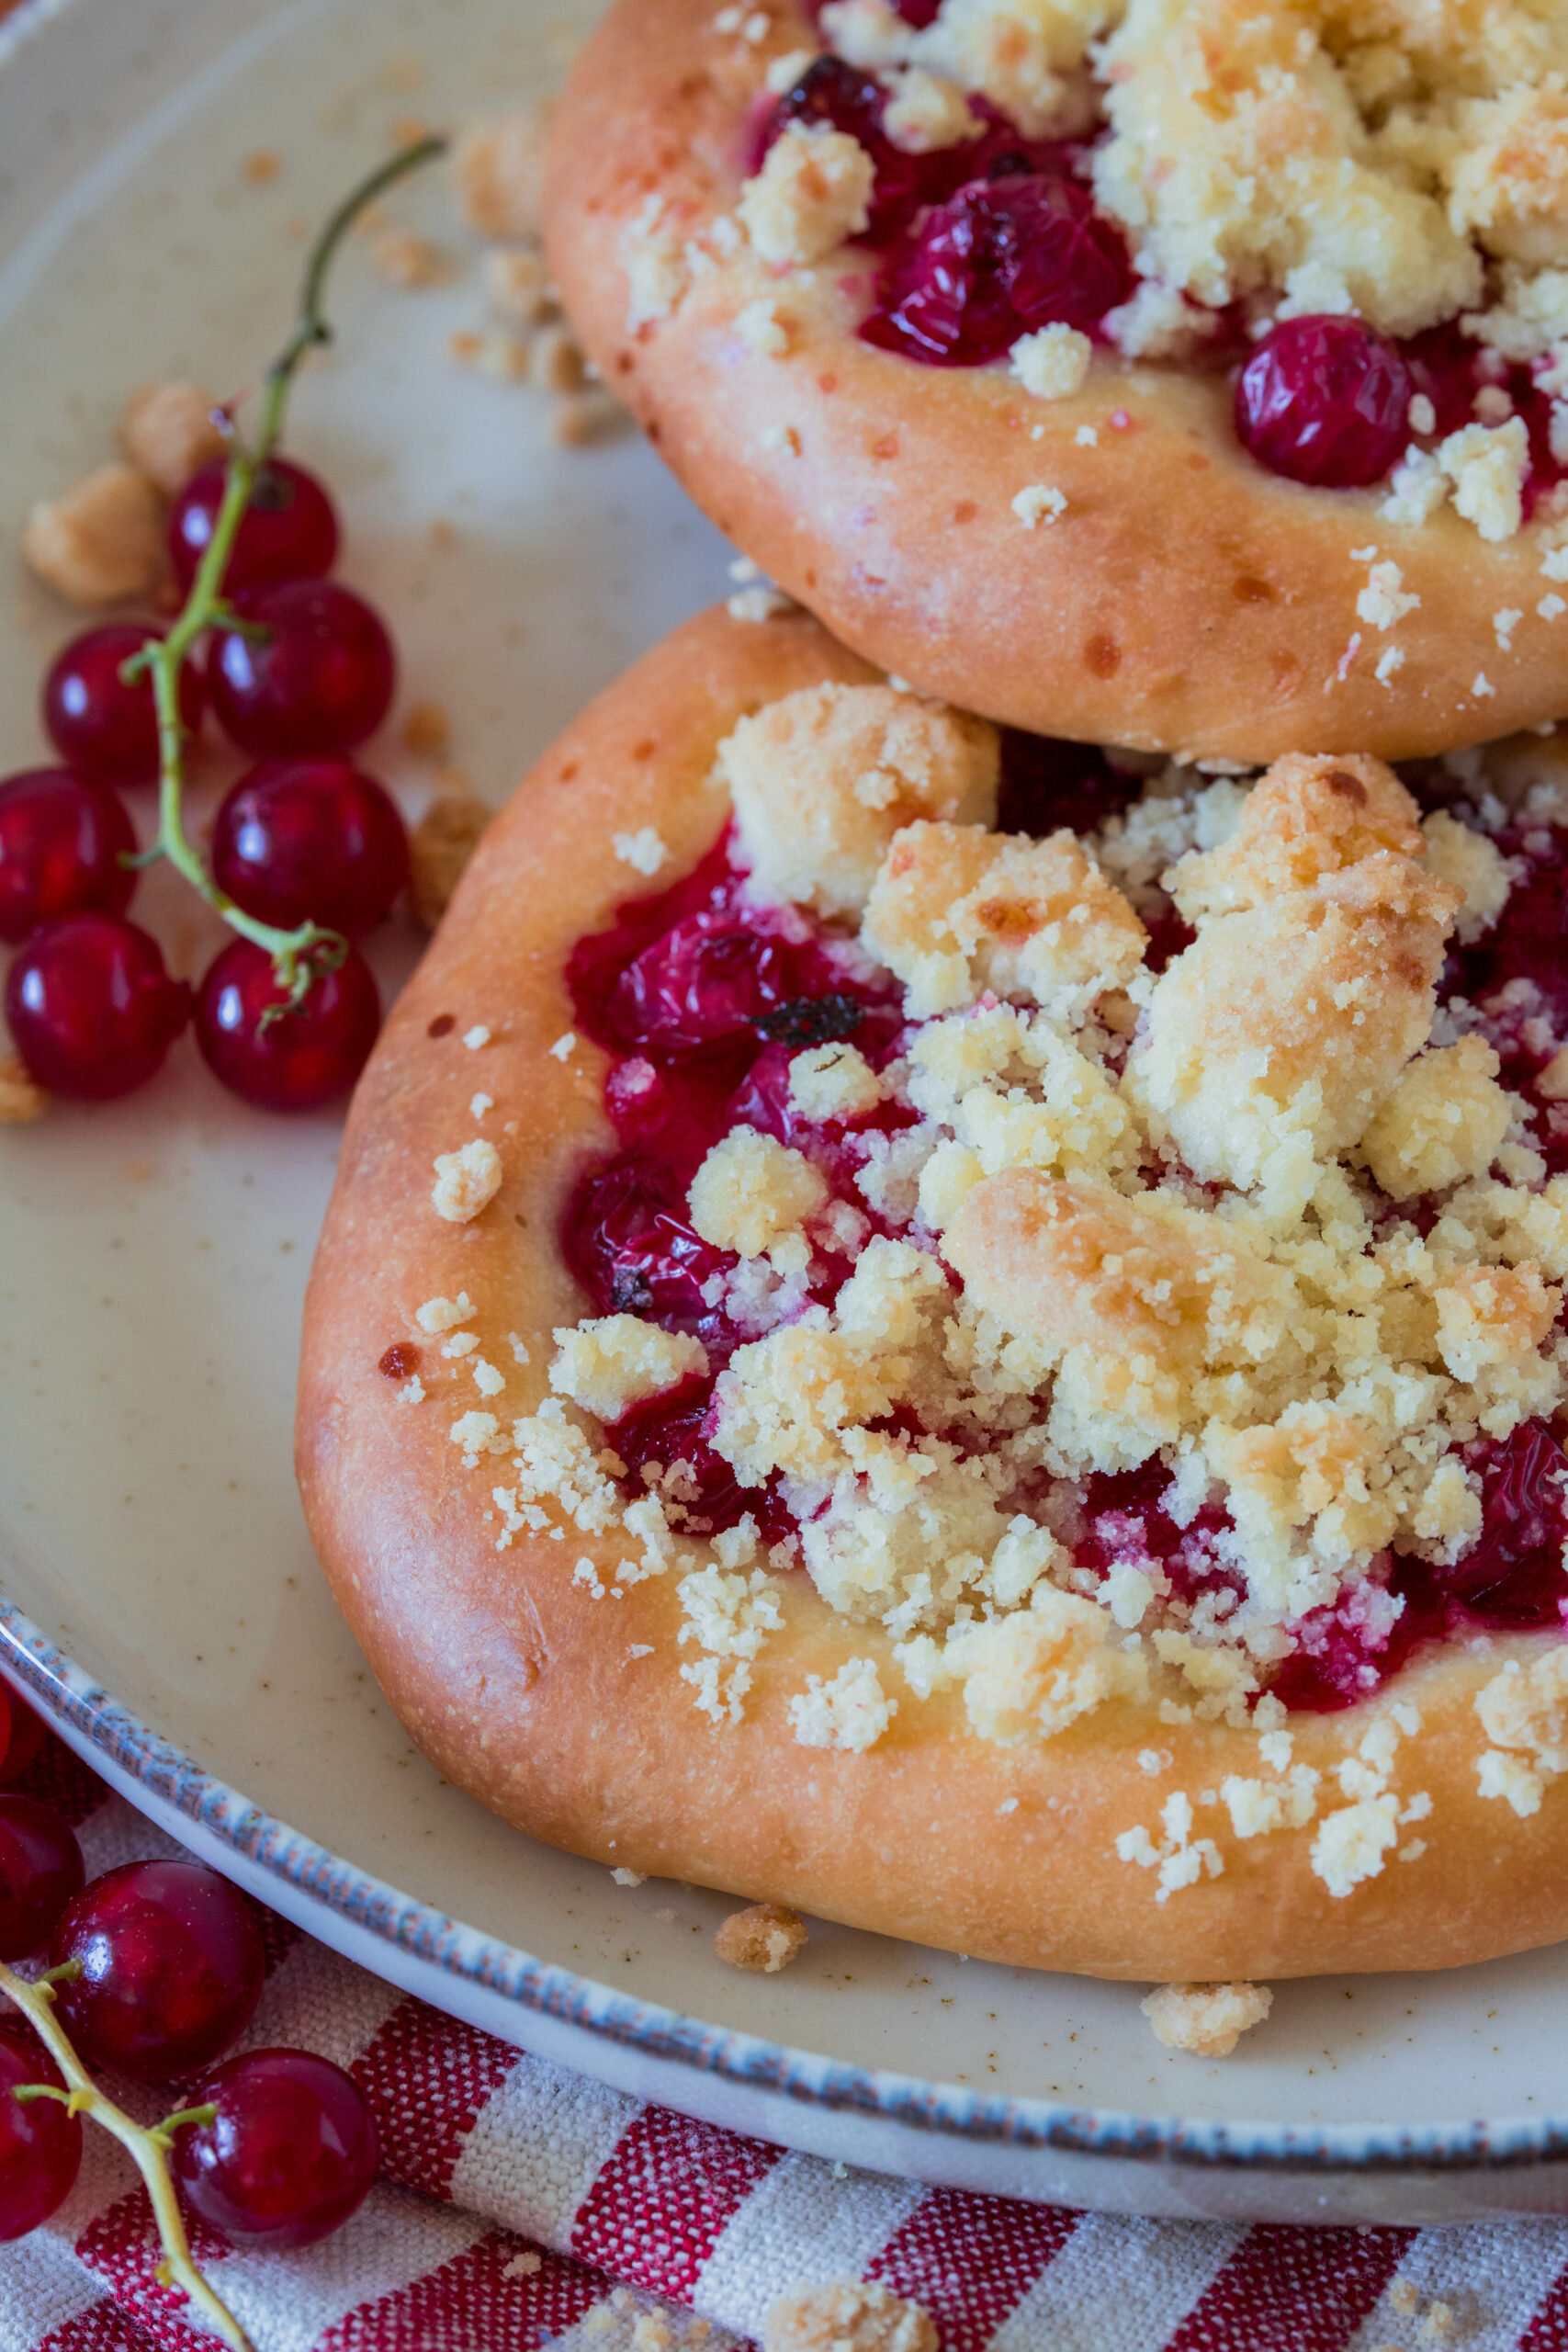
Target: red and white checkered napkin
<point>516,2199</point>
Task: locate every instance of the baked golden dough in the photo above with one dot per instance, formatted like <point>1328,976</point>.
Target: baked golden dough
<point>1184,600</point>
<point>565,1712</point>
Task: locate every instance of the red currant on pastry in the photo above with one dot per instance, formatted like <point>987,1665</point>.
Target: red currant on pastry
<point>40,2143</point>
<point>1325,400</point>
<point>91,1007</point>
<point>288,531</point>
<point>290,2153</point>
<point>302,1056</point>
<point>311,672</point>
<point>169,1968</point>
<point>61,846</point>
<point>101,726</point>
<point>311,840</point>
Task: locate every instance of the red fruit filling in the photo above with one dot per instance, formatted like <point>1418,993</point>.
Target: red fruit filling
<point>702,1001</point>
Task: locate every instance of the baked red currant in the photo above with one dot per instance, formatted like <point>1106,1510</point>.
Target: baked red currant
<point>20,1742</point>
<point>290,2153</point>
<point>313,673</point>
<point>1325,401</point>
<point>102,727</point>
<point>304,1056</point>
<point>311,840</point>
<point>40,1869</point>
<point>171,1968</point>
<point>91,1008</point>
<point>288,530</point>
<point>41,2144</point>
<point>61,841</point>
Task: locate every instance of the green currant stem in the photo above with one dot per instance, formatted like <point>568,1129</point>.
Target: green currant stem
<point>298,956</point>
<point>149,2150</point>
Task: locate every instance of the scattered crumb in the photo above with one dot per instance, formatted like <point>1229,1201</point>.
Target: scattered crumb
<point>848,2318</point>
<point>505,358</point>
<point>1206,2020</point>
<point>428,731</point>
<point>412,1392</point>
<point>1052,364</point>
<point>760,603</point>
<point>499,168</point>
<point>260,167</point>
<point>440,847</point>
<point>167,431</point>
<point>517,285</point>
<point>22,1100</point>
<point>629,1878</point>
<point>764,1939</point>
<point>523,2265</point>
<point>480,1103</point>
<point>645,851</point>
<point>102,540</point>
<point>1039,502</point>
<point>407,260</point>
<point>588,416</point>
<point>466,1181</point>
<point>565,1046</point>
<point>444,1314</point>
<point>476,1038</point>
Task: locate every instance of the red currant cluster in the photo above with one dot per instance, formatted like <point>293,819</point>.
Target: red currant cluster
<point>155,1969</point>
<point>299,675</point>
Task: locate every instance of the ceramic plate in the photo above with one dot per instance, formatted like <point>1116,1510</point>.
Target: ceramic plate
<point>164,1602</point>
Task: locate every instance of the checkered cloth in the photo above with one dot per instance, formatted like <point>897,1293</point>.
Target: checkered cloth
<point>519,2204</point>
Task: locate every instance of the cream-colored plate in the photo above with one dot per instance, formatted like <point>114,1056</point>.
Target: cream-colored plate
<point>152,1254</point>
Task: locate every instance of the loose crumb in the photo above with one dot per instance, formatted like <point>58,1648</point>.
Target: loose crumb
<point>428,731</point>
<point>565,1046</point>
<point>480,1103</point>
<point>848,2318</point>
<point>517,286</point>
<point>523,2265</point>
<point>476,1038</point>
<point>762,604</point>
<point>1038,503</point>
<point>101,541</point>
<point>409,261</point>
<point>167,431</point>
<point>466,1181</point>
<point>22,1100</point>
<point>629,1878</point>
<point>645,851</point>
<point>440,847</point>
<point>499,168</point>
<point>260,167</point>
<point>1206,2020</point>
<point>762,1939</point>
<point>444,1314</point>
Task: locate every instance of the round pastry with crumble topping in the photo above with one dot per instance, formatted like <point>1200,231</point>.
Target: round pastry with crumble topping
<point>1172,373</point>
<point>965,1334</point>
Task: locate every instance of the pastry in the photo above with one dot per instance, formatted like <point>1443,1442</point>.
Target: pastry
<point>965,1336</point>
<point>1170,373</point>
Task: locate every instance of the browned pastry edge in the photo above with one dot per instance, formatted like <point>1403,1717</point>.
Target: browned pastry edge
<point>1186,600</point>
<point>520,1686</point>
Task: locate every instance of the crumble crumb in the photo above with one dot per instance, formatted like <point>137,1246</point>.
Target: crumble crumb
<point>813,190</point>
<point>480,1103</point>
<point>785,71</point>
<point>499,168</point>
<point>1384,599</point>
<point>614,1362</point>
<point>629,1878</point>
<point>925,112</point>
<point>517,285</point>
<point>440,846</point>
<point>1038,503</point>
<point>1487,466</point>
<point>850,1712</point>
<point>444,1314</point>
<point>848,2318</point>
<point>412,1392</point>
<point>1206,2020</point>
<point>458,1345</point>
<point>761,330</point>
<point>564,1046</point>
<point>101,541</point>
<point>645,851</point>
<point>22,1099</point>
<point>752,1190</point>
<point>409,260</point>
<point>833,1082</point>
<point>523,2265</point>
<point>762,1939</point>
<point>428,731</point>
<point>556,361</point>
<point>476,1038</point>
<point>167,431</point>
<point>260,167</point>
<point>466,1181</point>
<point>765,603</point>
<point>1051,365</point>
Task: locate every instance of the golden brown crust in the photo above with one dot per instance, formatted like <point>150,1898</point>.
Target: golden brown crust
<point>1184,600</point>
<point>525,1689</point>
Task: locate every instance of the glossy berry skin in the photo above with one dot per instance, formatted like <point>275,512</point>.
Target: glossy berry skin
<point>40,2145</point>
<point>172,1968</point>
<point>288,531</point>
<point>1325,400</point>
<point>61,844</point>
<point>289,2155</point>
<point>303,1058</point>
<point>320,680</point>
<point>101,726</point>
<point>40,1869</point>
<point>22,1734</point>
<point>91,1008</point>
<point>311,840</point>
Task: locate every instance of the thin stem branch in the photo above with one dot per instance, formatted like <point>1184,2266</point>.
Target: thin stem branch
<point>148,2149</point>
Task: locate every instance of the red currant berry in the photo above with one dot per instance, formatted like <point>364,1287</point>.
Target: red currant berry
<point>91,1008</point>
<point>40,1869</point>
<point>61,845</point>
<point>289,2155</point>
<point>25,1737</point>
<point>171,1968</point>
<point>304,1056</point>
<point>288,530</point>
<point>320,680</point>
<point>104,728</point>
<point>1325,401</point>
<point>41,2144</point>
<point>311,841</point>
